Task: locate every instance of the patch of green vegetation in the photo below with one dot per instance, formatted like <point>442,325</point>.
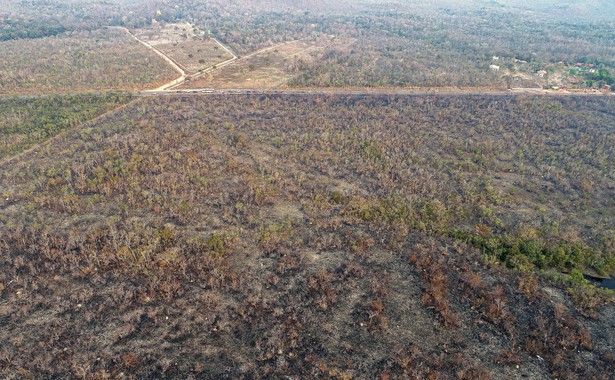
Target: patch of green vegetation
<point>527,253</point>
<point>25,122</point>
<point>589,296</point>
<point>219,244</point>
<point>275,235</point>
<point>16,29</point>
<point>602,75</point>
<point>371,151</point>
<point>510,248</point>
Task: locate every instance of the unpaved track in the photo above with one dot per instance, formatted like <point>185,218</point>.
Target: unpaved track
<point>176,82</point>
<point>336,91</point>
<point>225,48</point>
<point>212,67</point>
<point>234,59</point>
<point>366,92</point>
<point>267,49</point>
<point>176,66</point>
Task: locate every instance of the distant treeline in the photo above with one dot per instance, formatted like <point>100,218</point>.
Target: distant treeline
<point>16,29</point>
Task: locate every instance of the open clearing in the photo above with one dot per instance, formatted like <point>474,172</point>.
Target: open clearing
<point>106,59</point>
<point>186,45</point>
<point>267,68</point>
<point>195,55</point>
<point>162,34</point>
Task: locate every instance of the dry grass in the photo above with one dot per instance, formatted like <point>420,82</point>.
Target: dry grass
<point>195,55</point>
<point>267,68</point>
<point>162,34</point>
<point>188,46</point>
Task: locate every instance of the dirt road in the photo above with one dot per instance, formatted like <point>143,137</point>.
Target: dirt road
<point>371,91</point>
<point>234,59</point>
<point>177,66</point>
<point>210,68</point>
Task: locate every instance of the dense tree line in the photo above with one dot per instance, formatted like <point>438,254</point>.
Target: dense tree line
<point>10,29</point>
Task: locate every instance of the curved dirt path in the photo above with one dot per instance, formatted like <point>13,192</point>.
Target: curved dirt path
<point>216,66</point>
<point>176,66</point>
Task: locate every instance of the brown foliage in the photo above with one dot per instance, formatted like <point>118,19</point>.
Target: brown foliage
<point>429,263</point>
<point>159,237</point>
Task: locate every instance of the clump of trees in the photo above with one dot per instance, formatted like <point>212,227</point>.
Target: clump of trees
<point>20,29</point>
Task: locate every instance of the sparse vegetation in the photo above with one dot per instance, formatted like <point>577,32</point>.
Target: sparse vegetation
<point>308,231</point>
<point>80,61</point>
<point>189,47</point>
<point>271,67</point>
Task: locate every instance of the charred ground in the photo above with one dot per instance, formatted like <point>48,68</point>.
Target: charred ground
<point>321,236</point>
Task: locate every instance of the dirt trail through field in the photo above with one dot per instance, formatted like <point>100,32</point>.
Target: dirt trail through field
<point>177,66</point>
<point>225,48</point>
<point>367,92</point>
<point>268,49</point>
<point>217,66</point>
<point>232,60</point>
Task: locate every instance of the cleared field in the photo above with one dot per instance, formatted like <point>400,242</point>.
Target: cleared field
<point>162,34</point>
<point>189,47</point>
<point>195,55</point>
<point>270,67</point>
<point>86,61</point>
